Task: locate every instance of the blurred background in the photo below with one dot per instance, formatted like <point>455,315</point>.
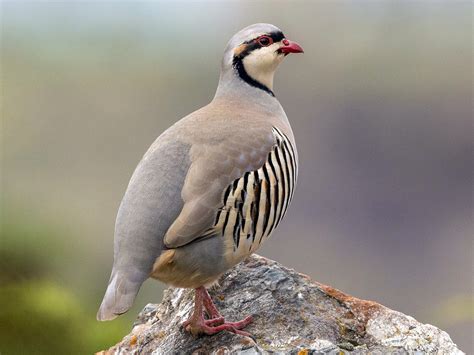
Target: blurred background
<point>380,104</point>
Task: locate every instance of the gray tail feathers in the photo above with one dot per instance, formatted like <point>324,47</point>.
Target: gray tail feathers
<point>119,297</point>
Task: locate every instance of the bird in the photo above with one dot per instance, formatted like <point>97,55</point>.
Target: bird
<point>211,188</point>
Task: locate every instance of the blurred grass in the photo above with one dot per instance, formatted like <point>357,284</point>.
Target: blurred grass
<point>51,319</point>
<point>39,315</point>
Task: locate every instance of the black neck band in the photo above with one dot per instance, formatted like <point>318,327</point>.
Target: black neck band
<point>239,67</point>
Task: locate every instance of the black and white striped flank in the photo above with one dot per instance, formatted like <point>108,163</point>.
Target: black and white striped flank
<point>254,205</point>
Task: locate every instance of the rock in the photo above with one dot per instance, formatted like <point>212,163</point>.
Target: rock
<point>292,314</point>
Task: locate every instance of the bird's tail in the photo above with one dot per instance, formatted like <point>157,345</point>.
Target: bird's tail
<point>119,297</point>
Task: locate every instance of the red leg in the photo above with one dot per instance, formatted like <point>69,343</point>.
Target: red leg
<point>196,324</point>
<point>210,307</point>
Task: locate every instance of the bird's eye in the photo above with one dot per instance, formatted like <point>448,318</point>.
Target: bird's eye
<point>264,41</point>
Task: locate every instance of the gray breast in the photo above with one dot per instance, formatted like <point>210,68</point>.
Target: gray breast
<point>255,204</point>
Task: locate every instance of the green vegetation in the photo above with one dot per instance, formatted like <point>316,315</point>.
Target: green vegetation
<point>39,315</point>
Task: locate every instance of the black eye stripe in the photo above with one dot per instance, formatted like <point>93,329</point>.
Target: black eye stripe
<point>276,36</point>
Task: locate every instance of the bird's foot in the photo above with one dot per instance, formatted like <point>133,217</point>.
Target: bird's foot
<point>216,325</point>
<point>210,322</point>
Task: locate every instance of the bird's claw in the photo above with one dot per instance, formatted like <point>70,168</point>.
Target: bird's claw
<point>217,325</point>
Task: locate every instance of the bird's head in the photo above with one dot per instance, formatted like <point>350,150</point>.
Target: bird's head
<point>254,53</point>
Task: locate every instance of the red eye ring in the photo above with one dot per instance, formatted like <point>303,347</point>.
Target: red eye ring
<point>265,41</point>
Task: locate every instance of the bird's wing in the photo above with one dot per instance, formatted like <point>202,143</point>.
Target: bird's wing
<point>214,166</point>
<point>150,205</point>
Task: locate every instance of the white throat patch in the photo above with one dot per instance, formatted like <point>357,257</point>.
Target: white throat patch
<point>261,64</point>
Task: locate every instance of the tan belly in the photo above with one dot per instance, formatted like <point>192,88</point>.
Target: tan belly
<point>170,271</point>
<point>196,264</point>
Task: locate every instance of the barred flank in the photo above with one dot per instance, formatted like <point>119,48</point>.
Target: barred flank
<point>256,203</point>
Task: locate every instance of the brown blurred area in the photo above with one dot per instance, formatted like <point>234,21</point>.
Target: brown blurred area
<point>380,104</point>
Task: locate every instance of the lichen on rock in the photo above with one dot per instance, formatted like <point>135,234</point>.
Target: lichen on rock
<point>292,314</point>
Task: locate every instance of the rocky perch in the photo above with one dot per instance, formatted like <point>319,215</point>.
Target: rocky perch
<point>292,314</point>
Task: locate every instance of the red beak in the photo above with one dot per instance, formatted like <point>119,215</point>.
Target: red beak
<point>290,47</point>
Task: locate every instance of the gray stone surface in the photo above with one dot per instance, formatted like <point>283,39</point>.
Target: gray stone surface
<point>292,314</point>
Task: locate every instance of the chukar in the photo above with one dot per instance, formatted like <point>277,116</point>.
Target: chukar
<point>212,188</point>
